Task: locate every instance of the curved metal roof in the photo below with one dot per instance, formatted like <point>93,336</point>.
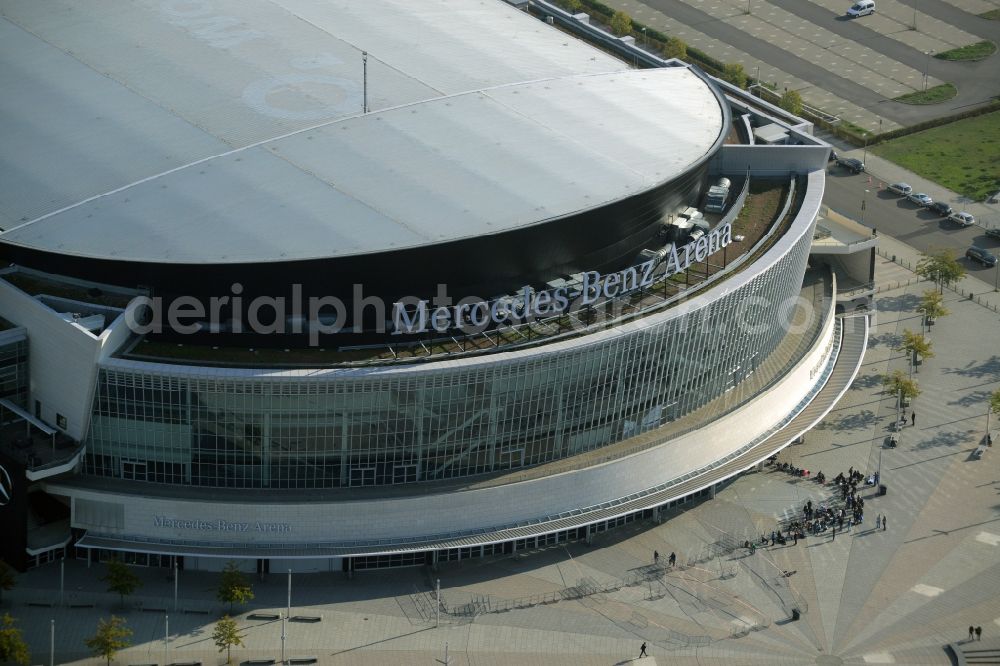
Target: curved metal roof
<point>232,132</point>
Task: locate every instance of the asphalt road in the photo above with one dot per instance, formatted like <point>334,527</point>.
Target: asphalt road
<point>897,217</point>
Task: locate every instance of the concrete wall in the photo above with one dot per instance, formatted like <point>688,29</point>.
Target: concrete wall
<point>770,160</point>
<point>62,360</point>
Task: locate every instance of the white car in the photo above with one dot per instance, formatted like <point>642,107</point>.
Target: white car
<point>965,219</point>
<point>902,189</point>
<point>861,8</point>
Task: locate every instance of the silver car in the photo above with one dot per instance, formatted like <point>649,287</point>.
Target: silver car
<point>920,199</point>
<point>965,219</point>
<point>902,189</point>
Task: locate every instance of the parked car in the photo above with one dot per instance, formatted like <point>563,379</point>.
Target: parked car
<point>993,198</point>
<point>855,165</point>
<point>965,219</point>
<point>941,208</point>
<point>979,255</point>
<point>993,233</point>
<point>920,199</point>
<point>902,189</point>
<point>861,8</point>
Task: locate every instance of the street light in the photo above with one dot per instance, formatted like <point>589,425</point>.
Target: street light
<point>864,202</point>
<point>914,14</point>
<point>927,64</point>
<point>645,42</point>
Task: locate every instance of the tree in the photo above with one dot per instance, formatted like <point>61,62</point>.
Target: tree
<point>916,346</point>
<point>227,635</point>
<point>791,101</point>
<point>898,384</point>
<point>675,48</point>
<point>233,588</point>
<point>995,409</point>
<point>111,638</point>
<point>932,306</point>
<point>572,6</point>
<point>7,579</point>
<point>121,579</point>
<point>733,72</point>
<point>13,649</point>
<point>621,24</point>
<point>940,266</point>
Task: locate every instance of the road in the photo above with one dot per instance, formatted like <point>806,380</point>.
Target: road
<point>895,216</point>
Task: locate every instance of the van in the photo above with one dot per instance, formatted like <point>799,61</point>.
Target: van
<point>861,8</point>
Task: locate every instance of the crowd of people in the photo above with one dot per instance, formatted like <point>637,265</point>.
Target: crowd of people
<point>830,516</point>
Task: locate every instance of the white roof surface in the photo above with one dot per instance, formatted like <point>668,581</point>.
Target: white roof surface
<point>231,130</point>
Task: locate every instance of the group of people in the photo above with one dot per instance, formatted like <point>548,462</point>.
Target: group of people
<point>977,631</point>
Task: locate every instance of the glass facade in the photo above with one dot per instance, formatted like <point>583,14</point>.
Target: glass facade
<point>14,372</point>
<point>380,426</point>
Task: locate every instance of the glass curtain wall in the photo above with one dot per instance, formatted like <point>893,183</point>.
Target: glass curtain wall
<point>376,428</point>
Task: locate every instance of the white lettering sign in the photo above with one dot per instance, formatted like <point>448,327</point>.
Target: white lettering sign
<point>419,316</point>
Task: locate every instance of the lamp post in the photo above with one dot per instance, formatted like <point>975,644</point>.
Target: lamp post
<point>288,608</point>
<point>645,42</point>
<point>52,642</point>
<point>914,14</point>
<point>175,583</point>
<point>927,64</point>
<point>364,76</point>
<point>864,205</point>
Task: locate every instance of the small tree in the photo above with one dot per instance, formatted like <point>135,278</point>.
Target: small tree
<point>994,408</point>
<point>13,649</point>
<point>932,306</point>
<point>111,638</point>
<point>233,588</point>
<point>7,578</point>
<point>121,579</point>
<point>940,266</point>
<point>572,6</point>
<point>916,346</point>
<point>791,101</point>
<point>901,386</point>
<point>621,24</point>
<point>733,72</point>
<point>227,635</point>
<point>675,48</point>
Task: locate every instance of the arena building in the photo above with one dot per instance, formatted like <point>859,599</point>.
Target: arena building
<point>314,286</point>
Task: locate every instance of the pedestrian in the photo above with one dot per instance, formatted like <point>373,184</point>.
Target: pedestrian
<point>656,557</point>
<point>642,650</point>
<point>834,533</point>
<point>913,418</point>
<point>979,633</point>
<point>673,559</point>
<point>972,632</point>
<point>883,523</point>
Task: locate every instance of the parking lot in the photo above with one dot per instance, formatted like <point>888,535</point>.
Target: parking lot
<point>850,68</point>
